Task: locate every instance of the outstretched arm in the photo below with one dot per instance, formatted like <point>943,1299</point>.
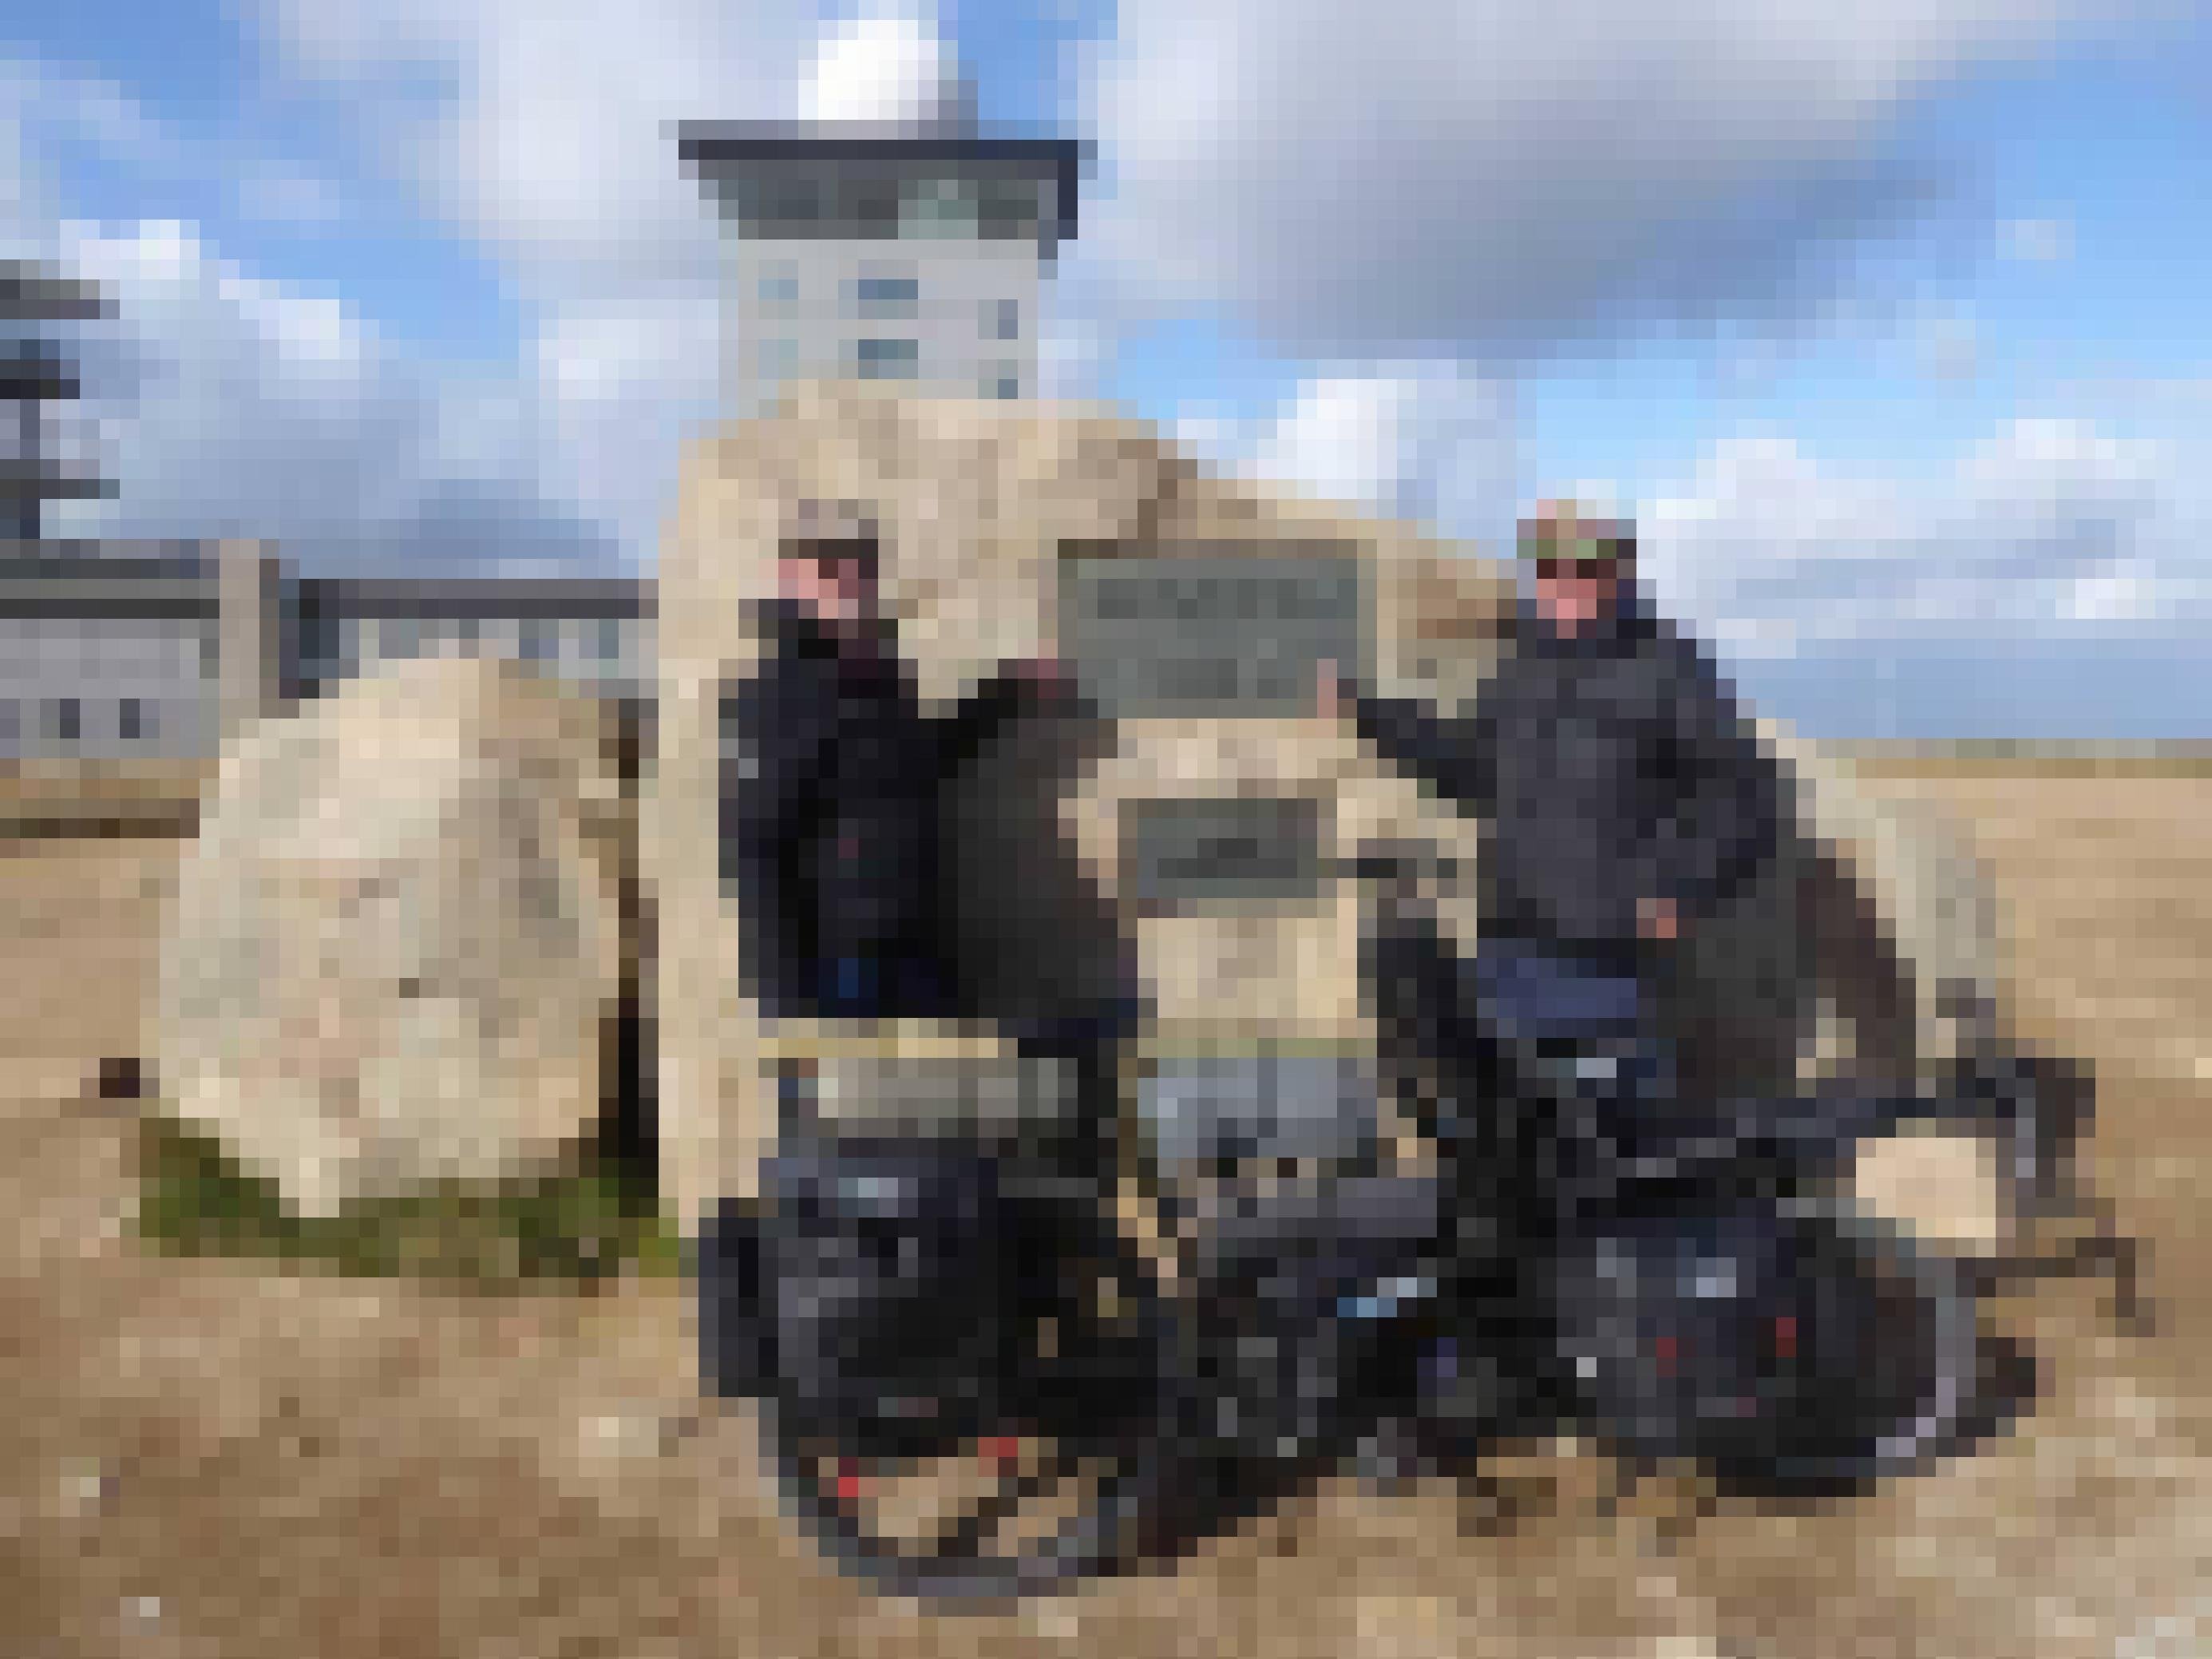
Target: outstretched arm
<point>1034,686</point>
<point>1456,757</point>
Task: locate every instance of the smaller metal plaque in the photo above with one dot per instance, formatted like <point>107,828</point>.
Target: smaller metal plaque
<point>1193,852</point>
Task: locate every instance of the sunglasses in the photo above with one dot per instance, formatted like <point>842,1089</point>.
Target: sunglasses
<point>837,567</point>
<point>1552,570</point>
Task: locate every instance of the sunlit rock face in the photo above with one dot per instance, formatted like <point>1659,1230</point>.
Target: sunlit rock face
<point>395,941</point>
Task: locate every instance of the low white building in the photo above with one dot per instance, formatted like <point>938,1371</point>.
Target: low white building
<point>109,657</point>
<point>121,651</point>
<point>592,631</point>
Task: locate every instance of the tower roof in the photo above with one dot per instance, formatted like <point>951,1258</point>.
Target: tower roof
<point>709,147</point>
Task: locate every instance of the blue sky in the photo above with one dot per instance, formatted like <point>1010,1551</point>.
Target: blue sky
<point>1889,328</point>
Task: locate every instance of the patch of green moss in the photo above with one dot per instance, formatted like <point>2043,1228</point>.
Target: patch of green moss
<point>588,1222</point>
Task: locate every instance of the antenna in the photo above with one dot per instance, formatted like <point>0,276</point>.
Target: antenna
<point>33,372</point>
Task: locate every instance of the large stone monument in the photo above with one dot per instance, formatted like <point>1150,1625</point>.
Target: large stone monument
<point>1189,833</point>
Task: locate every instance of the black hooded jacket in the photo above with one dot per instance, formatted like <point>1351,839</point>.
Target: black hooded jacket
<point>1613,766</point>
<point>832,777</point>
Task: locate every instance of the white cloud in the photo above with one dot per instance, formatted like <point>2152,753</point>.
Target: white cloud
<point>1400,175</point>
<point>2047,529</point>
<point>550,142</point>
<point>223,403</point>
<point>546,138</point>
<point>1425,441</point>
<point>1388,179</point>
<point>236,406</point>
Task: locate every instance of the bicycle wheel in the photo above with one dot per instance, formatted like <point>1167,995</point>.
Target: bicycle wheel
<point>1070,1480</point>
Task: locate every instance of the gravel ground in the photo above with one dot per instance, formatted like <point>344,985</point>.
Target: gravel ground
<point>200,1458</point>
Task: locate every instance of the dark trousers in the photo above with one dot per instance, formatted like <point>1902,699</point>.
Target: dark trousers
<point>897,982</point>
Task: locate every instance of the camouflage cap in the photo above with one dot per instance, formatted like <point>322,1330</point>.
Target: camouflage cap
<point>1564,531</point>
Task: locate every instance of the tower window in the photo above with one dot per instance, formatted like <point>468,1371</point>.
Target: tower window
<point>888,360</point>
<point>539,641</point>
<point>886,297</point>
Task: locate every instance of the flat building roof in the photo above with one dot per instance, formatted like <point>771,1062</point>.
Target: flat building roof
<point>731,146</point>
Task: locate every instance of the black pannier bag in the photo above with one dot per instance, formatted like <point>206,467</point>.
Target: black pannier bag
<point>871,1296</point>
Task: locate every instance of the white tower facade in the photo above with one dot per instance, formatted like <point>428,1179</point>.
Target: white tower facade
<point>907,255</point>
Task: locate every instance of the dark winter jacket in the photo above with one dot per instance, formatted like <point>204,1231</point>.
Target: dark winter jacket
<point>1612,766</point>
<point>830,800</point>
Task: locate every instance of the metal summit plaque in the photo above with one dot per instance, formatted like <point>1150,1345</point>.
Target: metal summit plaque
<point>1210,637</point>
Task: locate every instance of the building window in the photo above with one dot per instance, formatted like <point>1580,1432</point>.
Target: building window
<point>1002,320</point>
<point>11,721</point>
<point>1007,386</point>
<point>888,360</point>
<point>874,206</point>
<point>1009,209</point>
<point>399,637</point>
<point>539,642</point>
<point>797,200</point>
<point>65,719</point>
<point>779,357</point>
<point>131,722</point>
<point>939,210</point>
<point>781,288</point>
<point>886,296</point>
<point>607,639</point>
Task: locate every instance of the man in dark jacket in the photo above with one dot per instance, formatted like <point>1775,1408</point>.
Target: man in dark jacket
<point>833,772</point>
<point>1626,799</point>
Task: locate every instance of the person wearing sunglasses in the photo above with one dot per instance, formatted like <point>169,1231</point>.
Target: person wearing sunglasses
<point>831,797</point>
<point>1625,796</point>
